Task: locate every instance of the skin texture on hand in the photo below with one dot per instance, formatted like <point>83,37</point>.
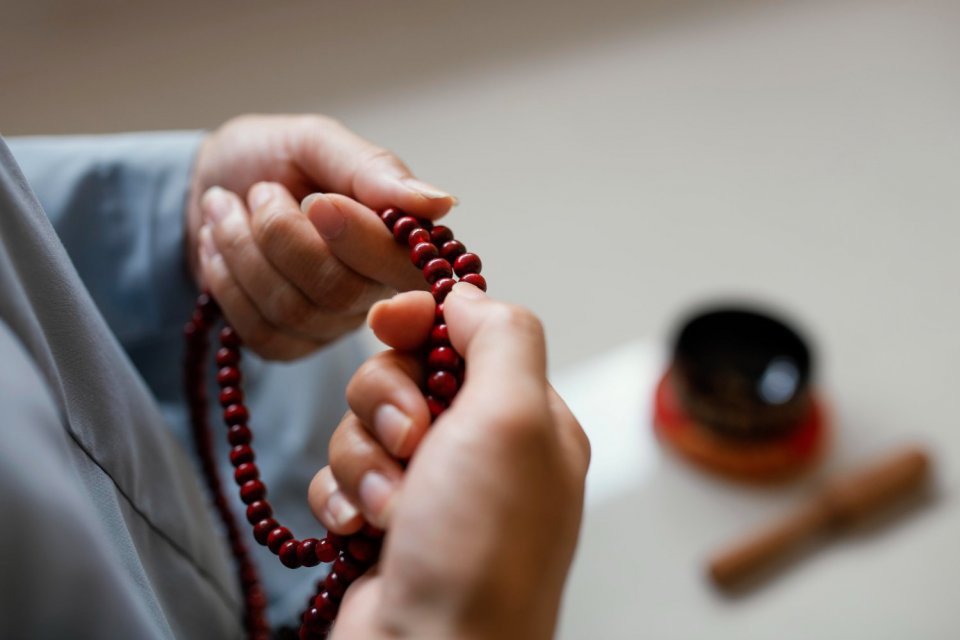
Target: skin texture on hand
<point>483,522</point>
<point>291,279</point>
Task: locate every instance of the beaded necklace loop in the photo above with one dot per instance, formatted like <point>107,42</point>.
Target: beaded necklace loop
<point>434,250</point>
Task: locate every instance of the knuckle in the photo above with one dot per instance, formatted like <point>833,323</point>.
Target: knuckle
<point>518,319</point>
<point>337,294</point>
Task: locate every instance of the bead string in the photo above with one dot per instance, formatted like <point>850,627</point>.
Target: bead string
<point>434,250</point>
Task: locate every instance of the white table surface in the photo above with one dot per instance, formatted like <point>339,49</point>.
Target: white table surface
<point>652,519</point>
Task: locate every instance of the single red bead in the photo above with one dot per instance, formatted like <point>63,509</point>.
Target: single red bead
<point>335,585</point>
<point>236,414</point>
<point>241,454</point>
<point>476,280</point>
<point>227,357</point>
<point>277,537</point>
<point>252,490</point>
<point>442,288</point>
<point>230,338</point>
<point>230,395</point>
<point>390,217</point>
<point>259,510</point>
<point>326,605</point>
<point>307,552</point>
<point>438,314</point>
<point>207,306</point>
<point>346,568</point>
<point>443,384</point>
<point>262,530</point>
<point>443,359</point>
<point>452,249</point>
<point>418,236</point>
<point>440,235</point>
<point>364,550</point>
<point>199,321</point>
<point>439,335</point>
<point>288,554</point>
<point>325,550</point>
<point>239,434</point>
<point>436,269</point>
<point>423,253</point>
<point>245,473</point>
<point>228,377</point>
<point>436,406</point>
<point>467,263</point>
<point>404,227</point>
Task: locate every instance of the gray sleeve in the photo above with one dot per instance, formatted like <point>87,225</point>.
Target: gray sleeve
<point>117,204</point>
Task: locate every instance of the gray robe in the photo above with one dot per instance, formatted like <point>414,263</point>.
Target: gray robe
<point>107,532</point>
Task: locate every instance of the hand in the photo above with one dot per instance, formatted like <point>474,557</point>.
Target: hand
<point>288,280</point>
<point>483,523</point>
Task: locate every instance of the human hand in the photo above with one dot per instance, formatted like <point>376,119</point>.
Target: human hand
<point>483,522</point>
<point>288,280</point>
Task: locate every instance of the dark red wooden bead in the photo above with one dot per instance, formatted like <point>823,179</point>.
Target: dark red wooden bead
<point>325,551</point>
<point>288,554</point>
<point>436,406</point>
<point>438,314</point>
<point>241,454</point>
<point>404,227</point>
<point>239,434</point>
<point>476,280</point>
<point>200,322</point>
<point>423,253</point>
<point>227,357</point>
<point>312,618</point>
<point>439,335</point>
<point>228,377</point>
<point>436,269</point>
<point>326,605</point>
<point>346,568</point>
<point>337,541</point>
<point>390,217</point>
<point>259,510</point>
<point>335,585</point>
<point>443,384</point>
<point>418,236</point>
<point>252,490</point>
<point>245,473</point>
<point>277,537</point>
<point>364,550</point>
<point>425,223</point>
<point>452,249</point>
<point>467,263</point>
<point>230,395</point>
<point>230,338</point>
<point>443,359</point>
<point>207,306</point>
<point>262,530</point>
<point>307,552</point>
<point>442,288</point>
<point>440,234</point>
<point>236,414</point>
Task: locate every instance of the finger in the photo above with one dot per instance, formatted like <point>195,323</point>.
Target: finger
<point>257,334</point>
<point>291,244</point>
<point>281,303</point>
<point>330,506</point>
<point>343,162</point>
<point>357,236</point>
<point>572,435</point>
<point>364,471</point>
<point>385,395</point>
<point>405,321</point>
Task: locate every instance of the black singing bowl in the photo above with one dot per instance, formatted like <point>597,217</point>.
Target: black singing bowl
<point>741,373</point>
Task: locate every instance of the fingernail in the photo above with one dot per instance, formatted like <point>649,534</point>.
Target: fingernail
<point>329,220</point>
<point>207,245</point>
<point>428,190</point>
<point>467,290</point>
<point>215,204</point>
<point>392,427</point>
<point>340,508</point>
<point>376,492</point>
<point>309,200</point>
<point>260,194</point>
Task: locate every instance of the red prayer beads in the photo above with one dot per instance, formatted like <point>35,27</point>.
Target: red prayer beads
<point>440,257</point>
